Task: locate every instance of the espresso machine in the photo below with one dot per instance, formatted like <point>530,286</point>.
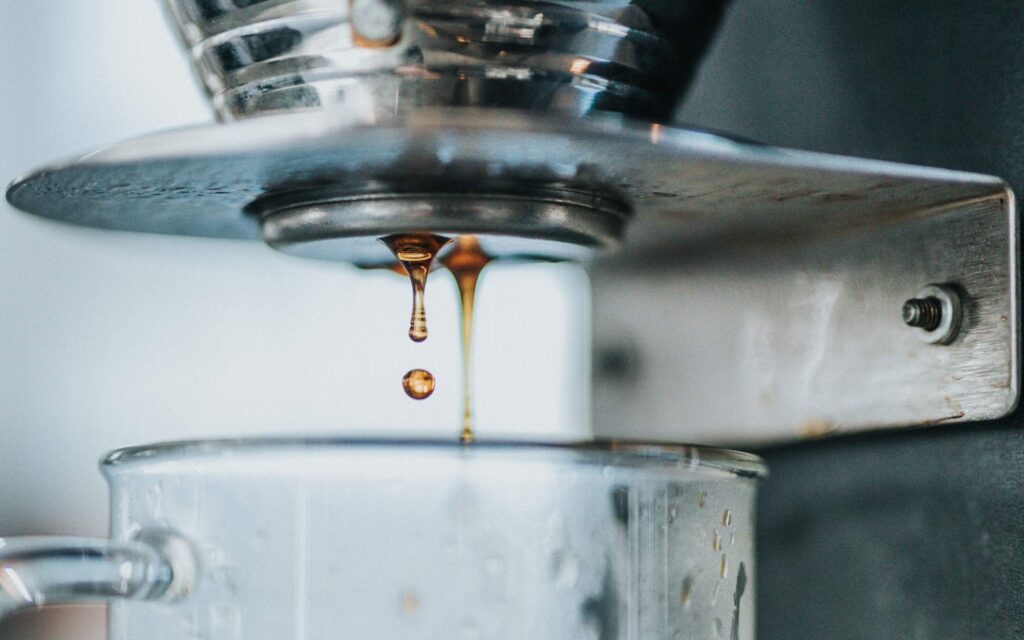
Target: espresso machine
<point>850,319</point>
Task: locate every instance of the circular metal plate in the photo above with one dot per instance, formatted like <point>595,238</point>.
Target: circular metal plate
<point>516,221</point>
<point>532,186</point>
<point>318,185</point>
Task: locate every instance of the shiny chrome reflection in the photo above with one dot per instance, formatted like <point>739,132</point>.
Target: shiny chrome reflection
<point>377,58</point>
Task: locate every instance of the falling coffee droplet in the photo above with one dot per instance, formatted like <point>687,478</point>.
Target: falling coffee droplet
<point>466,260</point>
<point>418,384</point>
<point>416,253</point>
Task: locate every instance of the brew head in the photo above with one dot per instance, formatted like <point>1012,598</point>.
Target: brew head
<point>382,58</point>
<point>533,126</point>
<point>374,62</point>
<point>509,221</point>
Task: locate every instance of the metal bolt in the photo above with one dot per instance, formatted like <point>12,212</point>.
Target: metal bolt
<point>925,313</point>
<point>935,312</point>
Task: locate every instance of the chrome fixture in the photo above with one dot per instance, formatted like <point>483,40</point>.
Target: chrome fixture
<point>539,127</point>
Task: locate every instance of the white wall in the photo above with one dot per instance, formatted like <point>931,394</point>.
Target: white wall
<point>109,339</point>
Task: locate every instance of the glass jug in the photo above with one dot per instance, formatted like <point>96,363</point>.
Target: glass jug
<point>325,539</point>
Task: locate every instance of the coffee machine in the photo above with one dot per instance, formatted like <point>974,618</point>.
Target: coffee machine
<point>744,294</point>
<point>764,279</point>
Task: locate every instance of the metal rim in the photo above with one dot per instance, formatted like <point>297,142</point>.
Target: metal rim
<point>535,187</point>
<point>608,452</point>
<point>949,318</point>
<point>683,187</point>
<point>515,222</point>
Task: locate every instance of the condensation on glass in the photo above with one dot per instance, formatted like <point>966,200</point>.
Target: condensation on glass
<point>321,539</point>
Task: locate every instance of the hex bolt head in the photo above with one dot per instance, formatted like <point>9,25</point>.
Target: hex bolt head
<point>923,312</point>
<point>935,312</point>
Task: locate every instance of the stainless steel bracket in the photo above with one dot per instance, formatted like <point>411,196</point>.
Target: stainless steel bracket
<point>793,327</point>
<point>742,293</point>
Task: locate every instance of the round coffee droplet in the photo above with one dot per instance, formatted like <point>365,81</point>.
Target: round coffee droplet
<point>418,384</point>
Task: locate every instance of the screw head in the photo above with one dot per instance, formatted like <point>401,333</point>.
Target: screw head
<point>925,313</point>
<point>935,312</point>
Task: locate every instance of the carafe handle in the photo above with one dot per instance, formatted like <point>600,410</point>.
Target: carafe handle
<point>39,571</point>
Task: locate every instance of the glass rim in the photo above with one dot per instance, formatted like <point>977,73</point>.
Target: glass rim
<point>626,453</point>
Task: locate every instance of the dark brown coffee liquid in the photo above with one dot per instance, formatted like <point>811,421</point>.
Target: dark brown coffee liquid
<point>466,260</point>
<point>416,252</point>
<point>418,384</point>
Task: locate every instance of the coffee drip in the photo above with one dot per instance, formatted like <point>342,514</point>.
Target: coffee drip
<point>466,261</point>
<point>416,253</point>
<point>418,384</point>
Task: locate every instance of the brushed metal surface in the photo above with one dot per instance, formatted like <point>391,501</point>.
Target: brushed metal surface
<point>915,533</point>
<point>776,338</point>
<point>682,186</point>
<point>760,287</point>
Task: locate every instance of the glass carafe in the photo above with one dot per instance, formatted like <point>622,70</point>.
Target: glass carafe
<point>330,539</point>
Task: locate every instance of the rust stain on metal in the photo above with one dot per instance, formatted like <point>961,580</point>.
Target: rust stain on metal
<point>818,427</point>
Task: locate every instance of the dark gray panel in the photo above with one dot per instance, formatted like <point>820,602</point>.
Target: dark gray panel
<point>913,535</point>
<point>929,82</point>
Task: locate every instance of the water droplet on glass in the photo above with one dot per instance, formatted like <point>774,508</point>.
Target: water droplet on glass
<point>716,541</point>
<point>124,572</point>
<point>723,568</point>
<point>703,498</point>
<point>732,538</point>
<point>154,498</point>
<point>714,593</point>
<point>694,461</point>
<point>565,569</point>
<point>716,627</point>
<point>685,591</point>
<point>673,513</point>
<point>727,518</point>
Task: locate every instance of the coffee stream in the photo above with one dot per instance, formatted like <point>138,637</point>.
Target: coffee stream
<point>466,260</point>
<point>415,252</point>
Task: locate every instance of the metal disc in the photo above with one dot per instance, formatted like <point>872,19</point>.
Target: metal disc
<point>534,186</point>
<point>522,222</point>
